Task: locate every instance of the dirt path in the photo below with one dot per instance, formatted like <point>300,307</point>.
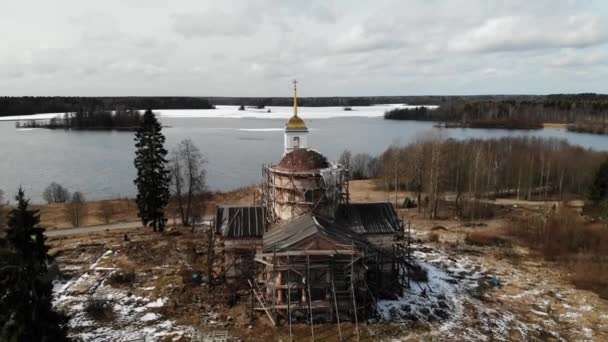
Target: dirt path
<point>105,227</point>
<point>93,229</point>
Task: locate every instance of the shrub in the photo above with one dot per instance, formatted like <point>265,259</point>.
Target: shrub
<point>76,209</point>
<point>560,235</point>
<point>409,203</point>
<point>486,238</point>
<point>121,277</point>
<point>418,273</point>
<point>99,309</point>
<point>564,238</point>
<point>591,273</point>
<point>56,193</point>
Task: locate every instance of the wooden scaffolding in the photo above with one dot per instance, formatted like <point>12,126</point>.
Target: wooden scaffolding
<point>323,191</point>
<point>311,286</point>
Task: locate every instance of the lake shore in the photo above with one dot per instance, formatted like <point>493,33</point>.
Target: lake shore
<point>555,126</point>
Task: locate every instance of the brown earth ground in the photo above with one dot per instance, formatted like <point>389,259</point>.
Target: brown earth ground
<point>535,291</point>
<point>53,216</point>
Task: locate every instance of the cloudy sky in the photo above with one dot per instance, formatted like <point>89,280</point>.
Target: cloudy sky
<point>254,48</point>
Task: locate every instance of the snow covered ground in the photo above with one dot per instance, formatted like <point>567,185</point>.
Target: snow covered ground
<point>283,112</point>
<point>133,316</point>
<point>452,303</point>
<point>269,112</point>
<point>44,116</point>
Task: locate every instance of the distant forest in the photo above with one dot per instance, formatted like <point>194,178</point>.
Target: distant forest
<point>124,120</point>
<point>33,105</point>
<point>343,101</point>
<point>587,112</point>
<point>584,112</point>
<point>10,106</point>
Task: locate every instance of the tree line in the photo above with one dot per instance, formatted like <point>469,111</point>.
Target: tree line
<point>466,172</point>
<point>38,104</point>
<point>513,113</point>
<point>89,119</point>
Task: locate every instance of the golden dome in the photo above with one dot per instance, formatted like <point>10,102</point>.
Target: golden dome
<point>296,124</point>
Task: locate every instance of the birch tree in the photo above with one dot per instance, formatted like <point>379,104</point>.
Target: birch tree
<point>187,179</point>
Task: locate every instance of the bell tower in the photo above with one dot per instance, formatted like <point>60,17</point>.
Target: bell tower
<point>296,133</point>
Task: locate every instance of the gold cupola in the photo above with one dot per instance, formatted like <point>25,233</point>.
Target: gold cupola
<point>295,123</point>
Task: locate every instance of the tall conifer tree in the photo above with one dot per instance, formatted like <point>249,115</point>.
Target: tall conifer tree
<point>152,174</point>
<point>26,312</point>
<point>598,191</point>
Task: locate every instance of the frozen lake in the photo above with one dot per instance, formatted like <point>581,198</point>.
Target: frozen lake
<point>235,144</point>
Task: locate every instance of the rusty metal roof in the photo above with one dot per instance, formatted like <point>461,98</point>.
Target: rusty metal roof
<point>305,226</point>
<point>368,218</point>
<point>240,221</point>
<point>302,159</point>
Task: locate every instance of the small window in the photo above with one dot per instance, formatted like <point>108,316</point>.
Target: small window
<point>296,142</point>
<point>308,196</point>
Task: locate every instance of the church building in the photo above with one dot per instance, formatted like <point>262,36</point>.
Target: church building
<point>303,249</point>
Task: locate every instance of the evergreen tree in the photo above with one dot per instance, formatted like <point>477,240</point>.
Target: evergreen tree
<point>599,188</point>
<point>152,174</point>
<point>26,312</point>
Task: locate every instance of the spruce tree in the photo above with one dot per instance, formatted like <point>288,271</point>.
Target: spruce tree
<point>26,312</point>
<point>598,191</point>
<point>152,174</point>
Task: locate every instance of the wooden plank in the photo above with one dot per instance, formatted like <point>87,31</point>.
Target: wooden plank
<point>262,303</point>
<point>333,289</point>
<point>311,253</point>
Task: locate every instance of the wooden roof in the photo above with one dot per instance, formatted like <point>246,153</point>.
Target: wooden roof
<point>368,218</point>
<point>240,221</point>
<point>307,227</point>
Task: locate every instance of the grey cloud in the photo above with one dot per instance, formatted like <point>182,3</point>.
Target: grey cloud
<point>358,39</point>
<point>344,47</point>
<point>214,23</point>
<point>323,14</point>
<point>574,59</point>
<point>520,33</point>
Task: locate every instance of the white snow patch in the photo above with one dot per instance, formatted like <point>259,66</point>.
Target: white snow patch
<point>588,333</point>
<point>103,256</point>
<point>150,316</point>
<point>157,303</point>
<point>530,293</point>
<point>540,313</point>
<point>44,116</point>
<point>261,129</point>
<point>282,112</point>
<point>571,315</point>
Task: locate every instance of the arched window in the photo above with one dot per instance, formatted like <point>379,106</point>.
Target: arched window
<point>296,142</point>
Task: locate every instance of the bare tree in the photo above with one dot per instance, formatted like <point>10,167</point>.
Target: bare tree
<point>345,158</point>
<point>106,211</point>
<point>187,178</point>
<point>76,209</point>
<point>56,193</point>
<point>2,213</point>
<point>361,166</point>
